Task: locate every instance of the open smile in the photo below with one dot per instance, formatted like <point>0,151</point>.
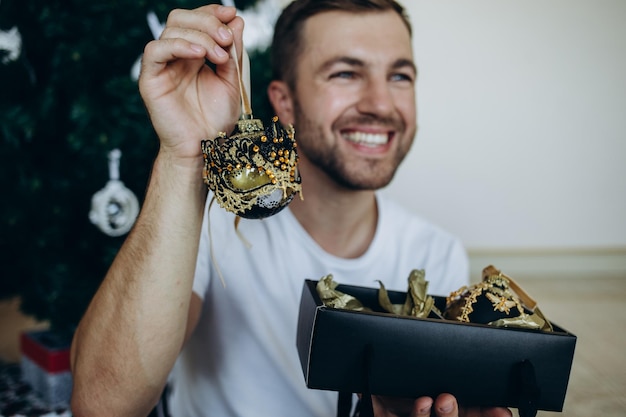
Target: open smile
<point>367,138</point>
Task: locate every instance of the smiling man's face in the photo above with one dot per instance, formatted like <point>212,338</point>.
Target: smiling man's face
<point>354,99</point>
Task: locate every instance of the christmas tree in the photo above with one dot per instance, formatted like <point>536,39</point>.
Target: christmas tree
<point>67,98</point>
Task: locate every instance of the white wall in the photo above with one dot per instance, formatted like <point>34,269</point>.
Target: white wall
<point>522,112</point>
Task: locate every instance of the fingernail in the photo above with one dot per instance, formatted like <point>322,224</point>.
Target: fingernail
<point>425,410</point>
<point>219,51</point>
<point>224,33</point>
<point>446,408</point>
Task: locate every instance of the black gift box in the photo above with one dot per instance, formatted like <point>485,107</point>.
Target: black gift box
<point>384,354</point>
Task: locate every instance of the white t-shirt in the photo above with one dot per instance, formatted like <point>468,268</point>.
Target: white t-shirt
<point>242,360</point>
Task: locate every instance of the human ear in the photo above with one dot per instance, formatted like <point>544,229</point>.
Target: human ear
<point>279,95</point>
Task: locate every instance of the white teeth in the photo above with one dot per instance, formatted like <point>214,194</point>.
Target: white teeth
<point>369,139</point>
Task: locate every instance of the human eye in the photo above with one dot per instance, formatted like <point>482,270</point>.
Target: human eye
<point>402,77</point>
<point>344,75</point>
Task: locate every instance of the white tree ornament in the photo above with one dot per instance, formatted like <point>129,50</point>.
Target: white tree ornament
<point>10,41</point>
<point>114,209</point>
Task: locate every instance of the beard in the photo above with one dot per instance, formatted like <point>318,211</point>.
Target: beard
<point>364,174</point>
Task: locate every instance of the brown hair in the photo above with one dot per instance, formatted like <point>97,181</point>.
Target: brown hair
<point>287,42</point>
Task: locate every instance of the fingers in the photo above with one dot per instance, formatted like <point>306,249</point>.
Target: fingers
<point>486,412</point>
<point>446,406</point>
<point>206,32</point>
<point>206,26</point>
<point>157,54</point>
<point>185,98</point>
<point>401,407</point>
<point>422,407</point>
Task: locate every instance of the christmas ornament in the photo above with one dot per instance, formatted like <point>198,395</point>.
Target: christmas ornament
<point>498,301</point>
<point>253,172</point>
<point>11,43</point>
<point>115,207</point>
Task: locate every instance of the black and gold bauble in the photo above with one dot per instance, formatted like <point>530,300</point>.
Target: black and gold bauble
<point>487,301</point>
<point>497,300</point>
<point>253,172</point>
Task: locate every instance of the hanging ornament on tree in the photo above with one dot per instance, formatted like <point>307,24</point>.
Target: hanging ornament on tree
<point>115,207</point>
<point>10,45</point>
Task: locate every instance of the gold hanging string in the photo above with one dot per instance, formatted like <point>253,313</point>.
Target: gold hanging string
<point>243,74</point>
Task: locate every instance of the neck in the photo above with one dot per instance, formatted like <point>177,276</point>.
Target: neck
<point>343,222</point>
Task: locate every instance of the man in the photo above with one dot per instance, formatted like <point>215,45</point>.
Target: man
<point>345,77</point>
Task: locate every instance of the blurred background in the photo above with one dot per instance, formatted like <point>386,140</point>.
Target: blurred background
<point>521,149</point>
<point>521,152</point>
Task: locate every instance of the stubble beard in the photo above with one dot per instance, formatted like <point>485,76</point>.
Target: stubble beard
<point>368,174</point>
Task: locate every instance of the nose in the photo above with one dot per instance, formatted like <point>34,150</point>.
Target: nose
<point>376,98</point>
